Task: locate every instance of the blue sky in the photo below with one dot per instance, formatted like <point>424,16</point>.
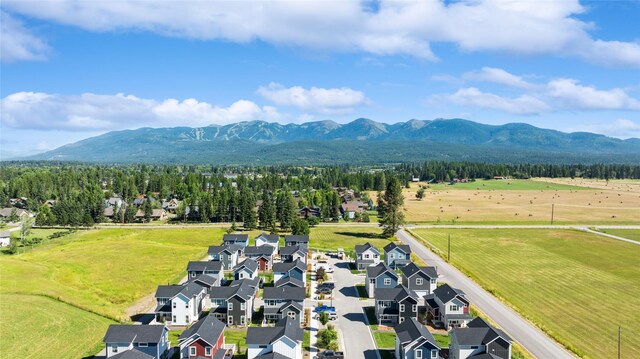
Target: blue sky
<point>72,70</point>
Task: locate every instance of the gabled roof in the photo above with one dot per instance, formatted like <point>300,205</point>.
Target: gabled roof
<point>397,294</point>
<point>263,250</point>
<point>208,329</point>
<point>402,247</point>
<point>272,355</point>
<point>225,248</point>
<point>269,237</point>
<point>287,266</point>
<point>296,238</point>
<point>284,293</point>
<point>289,250</point>
<point>360,248</point>
<point>290,282</point>
<point>235,238</point>
<point>411,330</point>
<point>378,269</point>
<point>191,289</point>
<point>242,290</point>
<point>481,323</point>
<point>287,326</point>
<point>248,263</point>
<point>445,293</point>
<point>132,354</point>
<point>131,333</point>
<point>205,280</point>
<point>168,291</point>
<point>202,266</point>
<point>412,268</point>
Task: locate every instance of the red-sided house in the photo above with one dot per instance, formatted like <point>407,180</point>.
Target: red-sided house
<point>205,338</point>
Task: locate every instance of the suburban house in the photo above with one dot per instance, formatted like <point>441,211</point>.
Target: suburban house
<point>204,339</point>
<point>379,276</point>
<point>309,212</point>
<point>414,341</point>
<point>350,208</point>
<point>180,304</point>
<point>239,239</point>
<point>233,304</point>
<point>289,282</point>
<point>479,339</point>
<point>422,280</point>
<point>156,214</point>
<point>397,255</point>
<point>5,238</point>
<point>281,302</point>
<point>366,255</point>
<point>212,268</point>
<point>395,305</point>
<point>207,282</point>
<point>227,254</point>
<point>296,270</point>
<point>170,205</point>
<point>284,340</point>
<point>292,253</point>
<point>297,240</point>
<point>262,254</point>
<point>247,269</point>
<point>21,213</point>
<point>270,239</point>
<point>151,340</point>
<point>113,202</point>
<point>448,306</point>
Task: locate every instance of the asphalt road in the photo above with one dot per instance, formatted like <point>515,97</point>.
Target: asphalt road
<point>525,333</point>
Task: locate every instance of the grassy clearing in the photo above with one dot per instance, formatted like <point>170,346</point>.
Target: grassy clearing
<point>237,337</point>
<point>33,326</point>
<point>385,339</point>
<point>174,335</point>
<point>633,234</point>
<point>331,238</point>
<point>510,185</point>
<point>442,339</point>
<point>576,286</point>
<point>306,340</point>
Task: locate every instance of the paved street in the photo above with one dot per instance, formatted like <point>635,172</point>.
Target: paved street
<point>525,333</point>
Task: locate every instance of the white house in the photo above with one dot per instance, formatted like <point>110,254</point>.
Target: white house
<point>282,340</point>
<point>270,239</point>
<point>366,255</point>
<point>448,306</point>
<point>180,304</point>
<point>5,238</point>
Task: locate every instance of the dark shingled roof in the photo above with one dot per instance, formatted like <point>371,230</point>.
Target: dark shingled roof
<point>288,327</point>
<point>132,354</point>
<point>248,263</point>
<point>398,293</point>
<point>289,282</point>
<point>288,250</point>
<point>445,293</point>
<point>411,330</point>
<point>202,266</point>
<point>378,269</point>
<point>205,280</point>
<point>263,250</point>
<point>411,269</point>
<point>363,247</point>
<point>289,293</point>
<point>168,291</point>
<point>287,266</point>
<point>485,356</point>
<point>208,329</point>
<point>131,333</point>
<point>243,290</point>
<point>235,237</point>
<point>296,238</point>
<point>478,333</point>
<point>403,247</point>
<point>227,248</point>
<point>272,356</point>
<point>269,237</point>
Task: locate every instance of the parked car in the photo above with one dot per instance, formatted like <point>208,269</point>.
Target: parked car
<point>324,308</point>
<point>332,315</point>
<point>330,354</point>
<point>324,290</point>
<point>331,285</point>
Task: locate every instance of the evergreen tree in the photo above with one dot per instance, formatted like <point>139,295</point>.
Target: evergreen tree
<point>148,210</point>
<point>300,227</point>
<point>45,217</point>
<point>267,212</point>
<point>392,202</point>
<point>420,193</point>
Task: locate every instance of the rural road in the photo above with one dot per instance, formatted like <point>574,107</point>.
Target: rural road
<point>525,333</point>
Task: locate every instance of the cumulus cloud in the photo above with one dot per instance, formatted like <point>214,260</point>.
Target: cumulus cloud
<point>496,75</point>
<point>17,43</point>
<point>621,128</point>
<point>93,112</point>
<point>390,28</point>
<point>522,105</point>
<point>572,95</point>
<point>315,99</point>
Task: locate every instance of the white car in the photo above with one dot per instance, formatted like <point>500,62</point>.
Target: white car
<point>327,268</point>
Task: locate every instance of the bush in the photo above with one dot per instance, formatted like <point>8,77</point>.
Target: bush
<point>324,318</point>
<point>327,336</point>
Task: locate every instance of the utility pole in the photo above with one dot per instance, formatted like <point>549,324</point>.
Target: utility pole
<point>619,341</point>
<point>552,205</point>
<point>449,249</point>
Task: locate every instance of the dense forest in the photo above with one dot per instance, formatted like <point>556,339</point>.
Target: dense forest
<point>77,192</point>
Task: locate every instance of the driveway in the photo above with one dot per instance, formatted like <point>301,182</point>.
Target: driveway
<point>525,333</point>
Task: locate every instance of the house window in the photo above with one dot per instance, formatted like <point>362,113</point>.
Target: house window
<point>391,255</point>
<point>453,307</point>
<point>114,348</point>
<point>175,305</point>
<point>401,307</point>
<point>366,256</point>
<point>387,281</point>
<point>433,281</point>
<point>434,353</point>
<point>143,345</point>
<point>193,274</point>
<point>243,320</point>
<point>230,320</point>
<point>186,318</point>
<point>192,351</point>
<point>372,281</point>
<point>230,305</point>
<point>241,275</point>
<point>419,281</point>
<point>291,314</point>
<point>474,347</point>
<point>375,256</point>
<point>414,308</point>
<point>186,305</point>
<point>242,306</point>
<point>401,319</point>
<point>207,351</point>
<point>418,353</point>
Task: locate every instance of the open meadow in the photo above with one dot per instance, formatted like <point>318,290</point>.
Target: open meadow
<point>345,236</point>
<point>577,286</point>
<point>523,202</point>
<point>95,271</point>
<point>633,234</point>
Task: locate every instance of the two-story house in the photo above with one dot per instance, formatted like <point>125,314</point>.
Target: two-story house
<point>447,306</point>
<point>379,276</point>
<point>280,302</point>
<point>397,255</point>
<point>284,340</point>
<point>292,253</point>
<point>228,254</point>
<point>297,240</point>
<point>296,270</point>
<point>207,282</point>
<point>366,255</point>
<point>149,340</point>
<point>479,339</point>
<point>180,304</point>
<point>395,305</point>
<point>204,339</point>
<point>262,254</point>
<point>247,269</point>
<point>414,341</point>
<point>214,269</point>
<point>270,239</point>
<point>422,280</point>
<point>233,304</point>
<point>239,239</point>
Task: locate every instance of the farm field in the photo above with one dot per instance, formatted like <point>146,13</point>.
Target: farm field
<point>576,286</point>
<point>522,202</point>
<point>633,234</point>
<point>344,236</point>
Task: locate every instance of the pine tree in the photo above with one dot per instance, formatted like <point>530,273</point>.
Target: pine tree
<point>420,193</point>
<point>300,227</point>
<point>267,212</point>
<point>392,202</point>
<point>148,211</point>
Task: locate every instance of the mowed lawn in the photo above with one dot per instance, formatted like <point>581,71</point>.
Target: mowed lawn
<point>344,236</point>
<point>577,286</point>
<point>33,326</point>
<point>521,202</point>
<point>633,234</point>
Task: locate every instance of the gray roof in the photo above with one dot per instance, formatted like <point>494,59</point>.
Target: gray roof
<point>226,248</point>
<point>411,269</point>
<point>445,293</point>
<point>287,266</point>
<point>208,329</point>
<point>269,237</point>
<point>132,333</point>
<point>5,234</point>
<point>132,354</point>
<point>248,263</point>
<point>479,333</point>
<point>296,238</point>
<point>242,290</point>
<point>272,355</point>
<point>235,238</point>
<point>290,293</point>
<point>363,247</point>
<point>201,266</point>
<point>485,356</point>
<point>191,289</point>
<point>288,250</point>
<point>205,280</point>
<point>289,282</point>
<point>168,291</point>
<point>411,330</point>
<point>398,293</point>
<point>288,327</point>
<point>403,247</point>
<point>378,269</point>
<point>263,250</point>
<point>288,304</point>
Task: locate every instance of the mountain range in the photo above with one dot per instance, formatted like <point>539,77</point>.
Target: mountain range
<point>362,141</point>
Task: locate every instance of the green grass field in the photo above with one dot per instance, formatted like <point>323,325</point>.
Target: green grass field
<point>384,339</point>
<point>633,234</point>
<point>577,286</point>
<point>498,185</point>
<point>33,326</point>
<point>331,238</point>
<point>238,337</point>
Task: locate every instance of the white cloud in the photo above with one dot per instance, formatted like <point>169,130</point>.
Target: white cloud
<point>570,94</point>
<point>621,128</point>
<point>522,105</point>
<point>315,99</point>
<point>496,75</point>
<point>395,27</point>
<point>17,43</point>
<point>92,112</point>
